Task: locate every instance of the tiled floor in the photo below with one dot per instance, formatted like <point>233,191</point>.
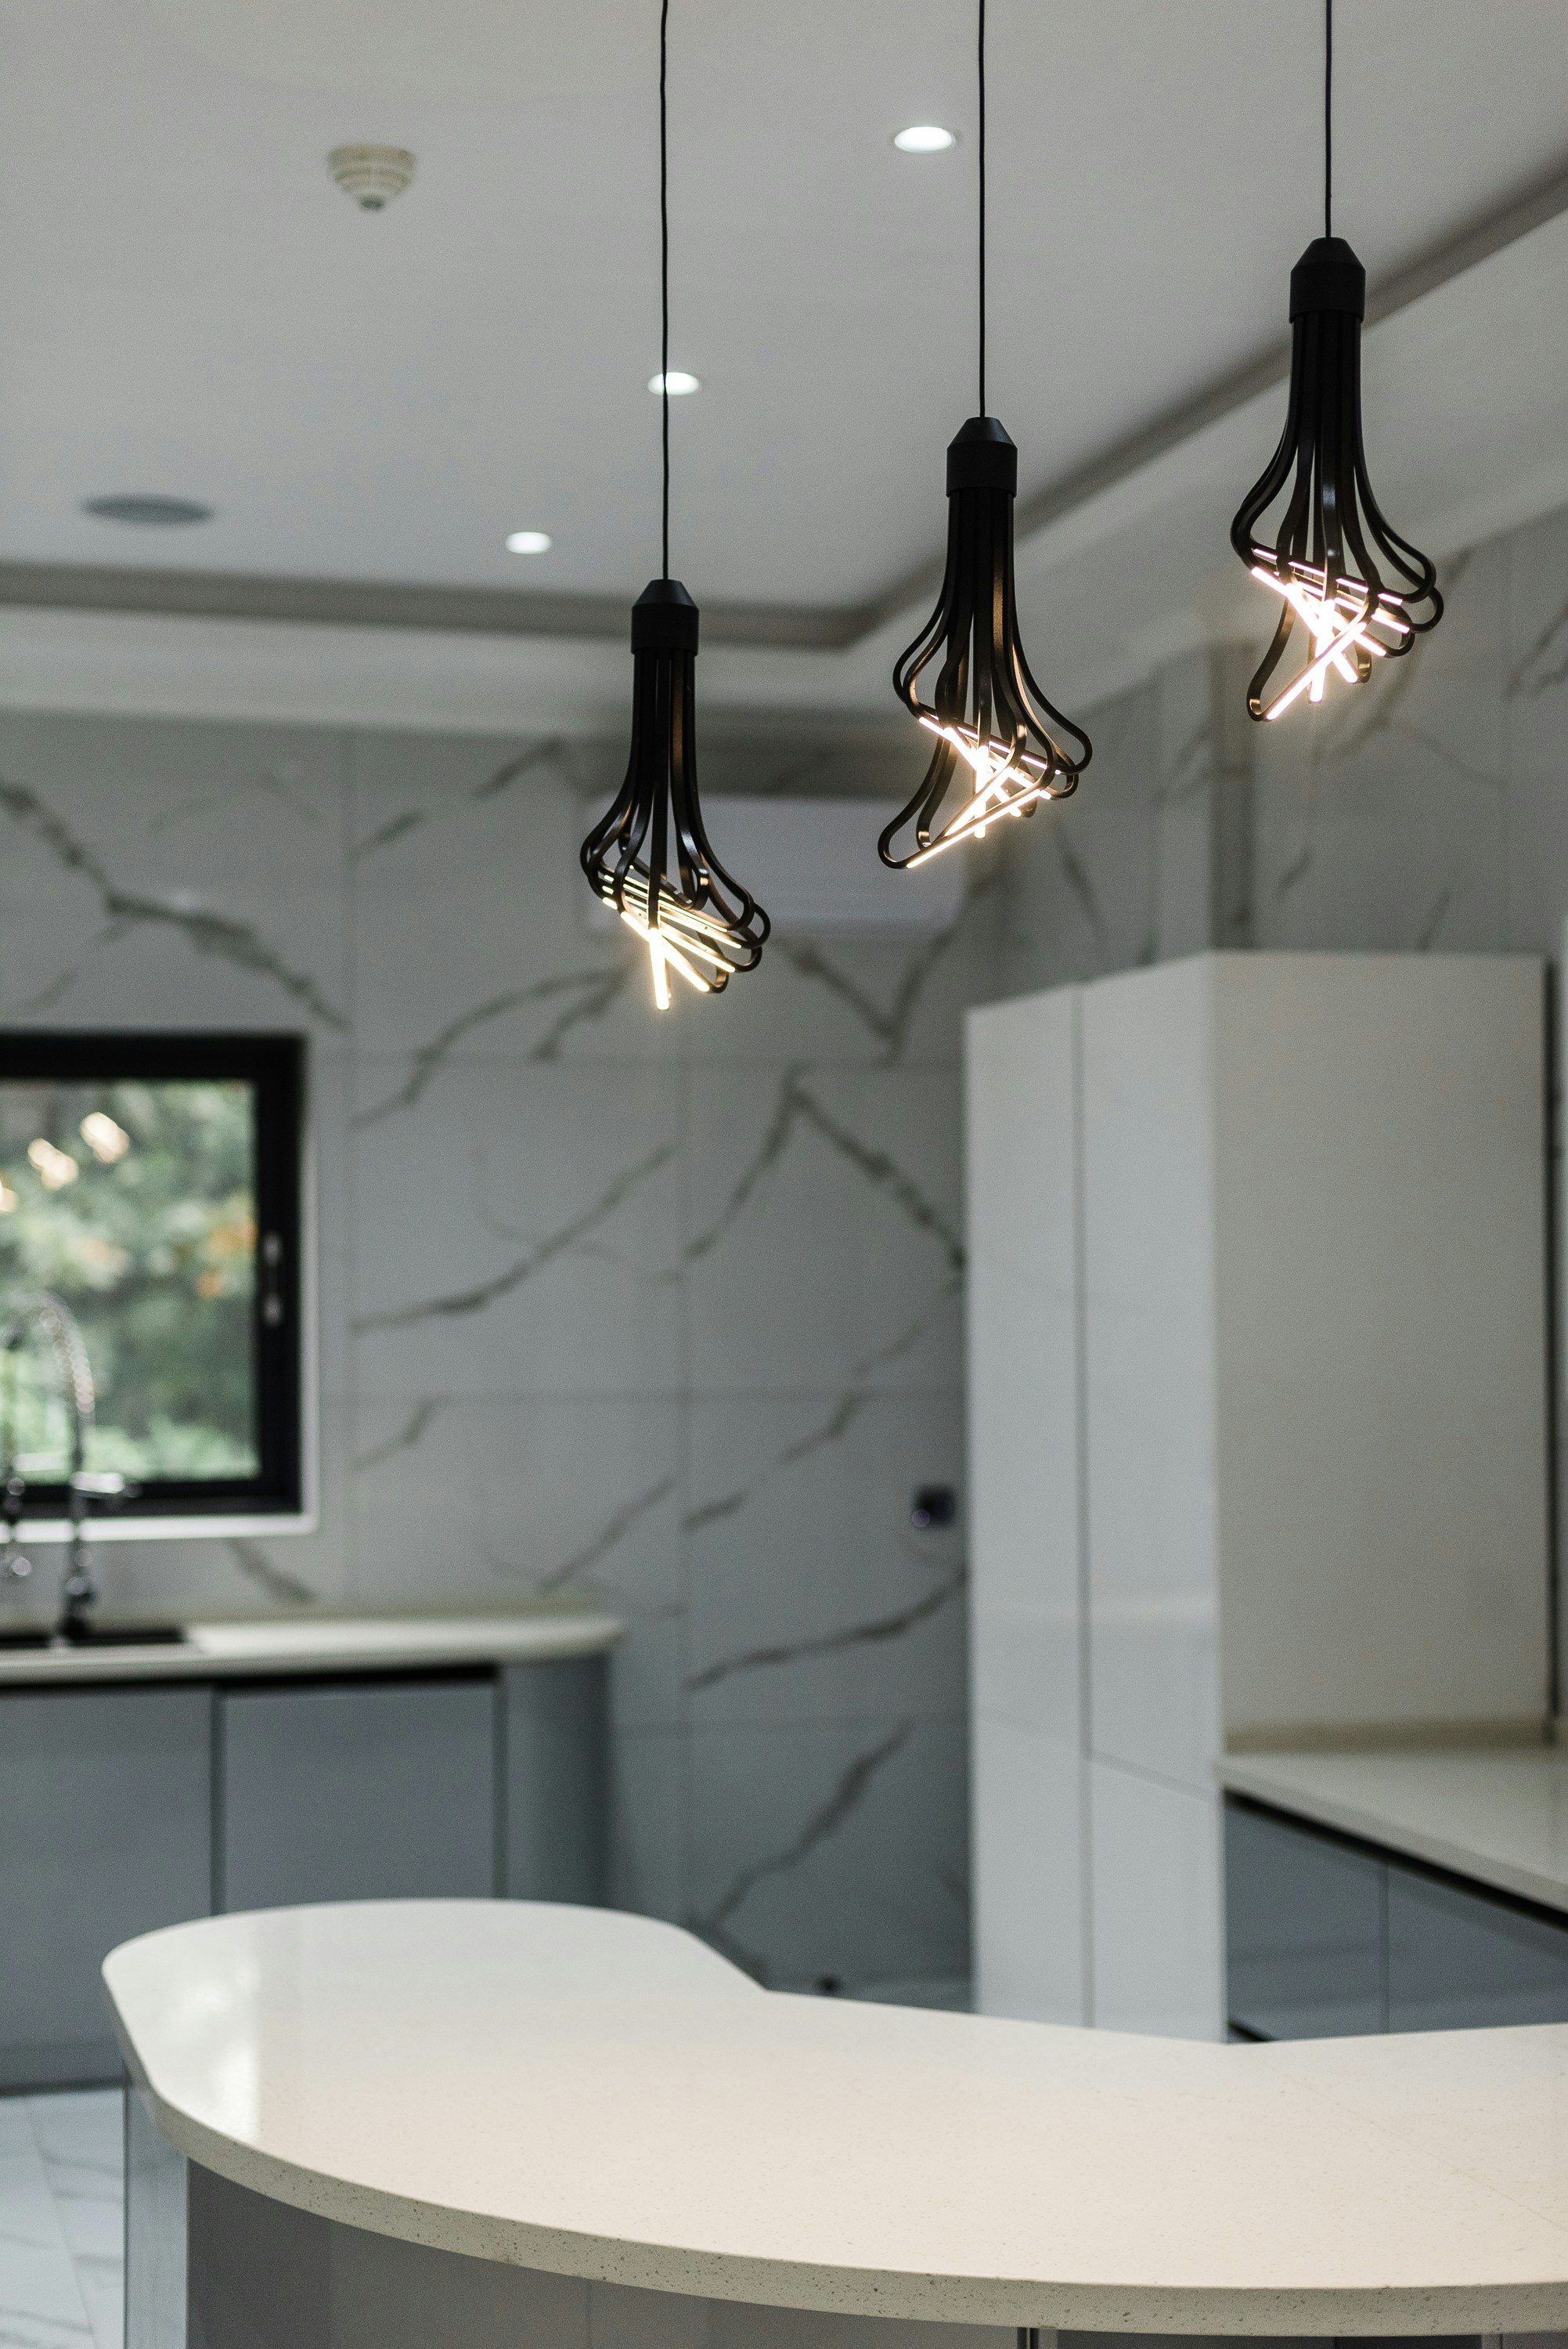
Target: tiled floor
<point>62,2248</point>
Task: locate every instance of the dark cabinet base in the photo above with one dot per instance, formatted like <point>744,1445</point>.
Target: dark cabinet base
<point>1326,1937</point>
<point>125,1808</point>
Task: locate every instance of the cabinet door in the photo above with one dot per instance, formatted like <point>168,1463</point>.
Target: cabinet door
<point>1303,1931</point>
<point>376,1790</point>
<point>104,1832</point>
<point>1460,1961</point>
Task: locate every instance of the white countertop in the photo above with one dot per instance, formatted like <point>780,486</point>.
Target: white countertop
<point>1500,1815</point>
<point>600,2096</point>
<point>324,1643</point>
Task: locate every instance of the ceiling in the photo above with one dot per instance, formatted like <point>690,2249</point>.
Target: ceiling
<point>192,308</point>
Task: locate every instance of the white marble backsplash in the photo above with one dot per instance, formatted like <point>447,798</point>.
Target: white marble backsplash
<point>665,1311</point>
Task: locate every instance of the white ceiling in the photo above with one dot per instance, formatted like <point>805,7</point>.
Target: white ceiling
<point>190,307</point>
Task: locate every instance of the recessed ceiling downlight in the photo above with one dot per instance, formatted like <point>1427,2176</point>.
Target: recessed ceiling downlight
<point>529,542</point>
<point>153,512</point>
<point>677,382</point>
<point>925,138</point>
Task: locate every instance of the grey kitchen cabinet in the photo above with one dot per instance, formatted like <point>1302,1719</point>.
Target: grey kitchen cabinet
<point>1329,1936</point>
<point>1460,1961</point>
<point>127,1806</point>
<point>104,1832</point>
<point>362,1790</point>
<point>1303,1931</point>
<point>554,1774</point>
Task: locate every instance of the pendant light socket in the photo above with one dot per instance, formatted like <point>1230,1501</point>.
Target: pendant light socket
<point>373,176</point>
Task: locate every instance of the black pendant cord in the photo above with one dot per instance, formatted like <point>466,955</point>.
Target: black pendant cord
<point>1328,118</point>
<point>981,63</point>
<point>1002,747</point>
<point>649,857</point>
<point>664,261</point>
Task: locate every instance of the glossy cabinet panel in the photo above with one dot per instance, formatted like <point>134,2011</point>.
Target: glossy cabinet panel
<point>553,1792</point>
<point>104,1832</point>
<point>1460,1960</point>
<point>365,1791</point>
<point>1327,1938</point>
<point>1303,1931</point>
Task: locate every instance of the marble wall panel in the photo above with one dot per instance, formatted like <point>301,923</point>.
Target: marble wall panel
<point>650,1820</point>
<point>823,1227</point>
<point>812,1594</point>
<point>517,1230</point>
<point>834,1850</point>
<point>1079,882</point>
<point>506,1499</point>
<point>469,929</point>
<point>169,874</point>
<point>1382,820</point>
<point>895,1002</point>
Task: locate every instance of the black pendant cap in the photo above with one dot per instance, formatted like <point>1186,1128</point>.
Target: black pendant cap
<point>1328,277</point>
<point>982,455</point>
<point>664,619</point>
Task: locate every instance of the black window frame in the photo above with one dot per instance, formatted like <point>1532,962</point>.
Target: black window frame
<point>275,1064</point>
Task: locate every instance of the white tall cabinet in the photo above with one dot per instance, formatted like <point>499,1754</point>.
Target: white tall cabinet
<point>1258,1424</point>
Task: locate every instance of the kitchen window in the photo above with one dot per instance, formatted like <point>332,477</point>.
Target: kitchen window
<point>151,1186</point>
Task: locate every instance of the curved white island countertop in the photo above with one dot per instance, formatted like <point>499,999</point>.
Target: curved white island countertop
<point>599,2095</point>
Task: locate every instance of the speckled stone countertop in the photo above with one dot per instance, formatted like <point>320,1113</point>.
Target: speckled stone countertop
<point>1498,1814</point>
<point>600,2096</point>
<point>322,1643</point>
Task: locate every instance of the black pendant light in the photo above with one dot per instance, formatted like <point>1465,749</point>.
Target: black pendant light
<point>650,857</point>
<point>997,734</point>
<point>1360,592</point>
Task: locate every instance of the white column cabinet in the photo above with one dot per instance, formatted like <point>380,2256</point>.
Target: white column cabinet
<point>1258,1424</point>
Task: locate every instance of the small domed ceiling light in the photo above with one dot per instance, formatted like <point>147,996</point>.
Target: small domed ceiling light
<point>650,857</point>
<point>997,735</point>
<point>1343,573</point>
<point>371,175</point>
<point>529,542</point>
<point>676,384</point>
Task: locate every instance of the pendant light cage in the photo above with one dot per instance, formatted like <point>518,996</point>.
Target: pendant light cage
<point>650,857</point>
<point>1344,576</point>
<point>998,732</point>
<point>999,737</point>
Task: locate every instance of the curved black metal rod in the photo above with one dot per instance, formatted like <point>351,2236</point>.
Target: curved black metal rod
<point>1359,591</point>
<point>998,734</point>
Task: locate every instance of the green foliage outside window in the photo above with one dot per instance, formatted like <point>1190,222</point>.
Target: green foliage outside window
<point>135,1203</point>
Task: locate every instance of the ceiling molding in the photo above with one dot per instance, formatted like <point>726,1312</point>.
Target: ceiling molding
<point>507,613</point>
<point>1438,267</point>
<point>389,604</point>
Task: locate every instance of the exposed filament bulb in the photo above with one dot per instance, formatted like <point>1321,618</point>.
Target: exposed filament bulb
<point>679,938</point>
<point>1339,622</point>
<point>1008,780</point>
